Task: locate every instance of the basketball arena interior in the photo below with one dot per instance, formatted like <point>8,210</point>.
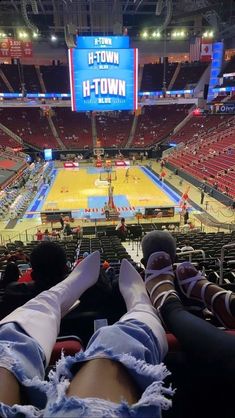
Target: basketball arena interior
<point>120,109</point>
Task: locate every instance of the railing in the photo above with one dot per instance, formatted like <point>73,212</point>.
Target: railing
<point>24,236</point>
<point>192,252</point>
<point>223,249</point>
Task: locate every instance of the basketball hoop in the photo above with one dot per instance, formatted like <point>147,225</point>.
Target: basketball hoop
<point>98,151</point>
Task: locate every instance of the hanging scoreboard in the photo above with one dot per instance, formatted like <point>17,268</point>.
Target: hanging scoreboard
<point>103,74</point>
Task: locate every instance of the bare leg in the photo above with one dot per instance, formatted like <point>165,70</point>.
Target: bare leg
<point>117,384</point>
<point>9,388</point>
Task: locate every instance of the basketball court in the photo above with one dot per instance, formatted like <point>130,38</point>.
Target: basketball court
<point>86,190</point>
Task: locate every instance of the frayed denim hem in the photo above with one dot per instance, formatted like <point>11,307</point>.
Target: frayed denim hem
<point>20,411</point>
<point>154,398</point>
<point>35,388</point>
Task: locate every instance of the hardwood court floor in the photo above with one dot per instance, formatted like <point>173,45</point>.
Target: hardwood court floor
<point>80,189</point>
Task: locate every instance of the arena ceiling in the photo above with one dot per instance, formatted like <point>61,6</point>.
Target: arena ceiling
<point>90,16</point>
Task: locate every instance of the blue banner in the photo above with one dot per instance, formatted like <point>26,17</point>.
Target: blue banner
<point>103,80</point>
<point>103,42</point>
<point>226,108</point>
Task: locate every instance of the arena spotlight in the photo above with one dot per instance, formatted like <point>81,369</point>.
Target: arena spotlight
<point>208,34</point>
<point>156,35</point>
<point>54,38</point>
<point>178,34</point>
<point>144,35</point>
<point>35,35</point>
<point>23,35</point>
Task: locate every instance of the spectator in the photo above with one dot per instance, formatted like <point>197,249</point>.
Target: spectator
<point>186,216</point>
<point>48,262</point>
<point>121,228</point>
<point>187,247</point>
<point>39,235</point>
<point>80,258</point>
<point>68,230</point>
<point>77,231</point>
<point>61,222</point>
<point>55,235</point>
<point>46,235</point>
<point>106,211</point>
<point>202,196</point>
<point>10,275</point>
<point>105,265</point>
<point>18,255</point>
<point>153,241</point>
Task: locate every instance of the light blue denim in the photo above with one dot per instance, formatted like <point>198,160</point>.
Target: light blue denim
<point>131,343</point>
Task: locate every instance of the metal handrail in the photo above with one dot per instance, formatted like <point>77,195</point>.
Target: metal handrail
<point>223,249</point>
<point>191,252</point>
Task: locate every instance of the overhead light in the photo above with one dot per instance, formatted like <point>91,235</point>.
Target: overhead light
<point>208,34</point>
<point>54,38</point>
<point>35,35</point>
<point>23,35</point>
<point>144,34</point>
<point>180,34</point>
<point>156,34</point>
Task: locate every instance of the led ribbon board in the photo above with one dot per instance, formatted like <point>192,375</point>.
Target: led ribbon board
<point>103,74</point>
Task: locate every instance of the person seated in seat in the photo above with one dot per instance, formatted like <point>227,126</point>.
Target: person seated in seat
<point>80,258</point>
<point>187,247</point>
<point>48,262</point>
<point>128,354</point>
<point>153,242</point>
<point>10,275</point>
<point>46,235</point>
<point>122,230</point>
<point>19,255</point>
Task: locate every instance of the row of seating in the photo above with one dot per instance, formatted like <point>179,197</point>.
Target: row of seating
<point>111,248</point>
<point>75,129</point>
<point>16,198</point>
<point>56,77</point>
<point>208,155</point>
<point>157,122</point>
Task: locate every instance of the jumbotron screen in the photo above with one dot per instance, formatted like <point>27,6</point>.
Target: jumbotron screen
<point>103,74</point>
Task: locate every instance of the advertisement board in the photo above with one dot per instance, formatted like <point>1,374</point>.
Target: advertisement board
<point>104,76</point>
<point>14,48</point>
<point>228,108</point>
<point>48,154</point>
<point>103,42</point>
